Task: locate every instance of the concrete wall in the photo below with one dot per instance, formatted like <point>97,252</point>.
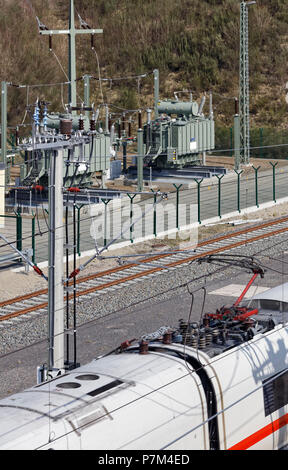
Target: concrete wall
<point>2,194</point>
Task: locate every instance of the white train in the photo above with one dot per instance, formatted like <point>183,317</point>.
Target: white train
<point>228,392</point>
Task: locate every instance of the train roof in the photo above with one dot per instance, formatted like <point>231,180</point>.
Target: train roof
<point>279,293</point>
<point>85,395</point>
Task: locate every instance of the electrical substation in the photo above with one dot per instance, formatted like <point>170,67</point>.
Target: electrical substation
<point>217,379</point>
<point>68,157</point>
<point>171,135</point>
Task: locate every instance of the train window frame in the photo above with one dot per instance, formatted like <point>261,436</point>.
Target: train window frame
<point>275,392</point>
<point>270,304</point>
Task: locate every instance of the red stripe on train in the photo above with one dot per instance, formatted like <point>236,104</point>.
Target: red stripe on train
<point>261,434</point>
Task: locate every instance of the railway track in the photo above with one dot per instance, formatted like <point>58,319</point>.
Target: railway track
<point>36,303</point>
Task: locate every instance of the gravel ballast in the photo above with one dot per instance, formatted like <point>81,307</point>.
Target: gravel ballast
<point>163,286</point>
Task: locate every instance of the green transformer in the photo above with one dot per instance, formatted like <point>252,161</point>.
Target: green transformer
<point>80,165</point>
<point>179,136</point>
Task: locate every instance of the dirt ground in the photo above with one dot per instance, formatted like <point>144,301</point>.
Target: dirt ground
<point>14,284</point>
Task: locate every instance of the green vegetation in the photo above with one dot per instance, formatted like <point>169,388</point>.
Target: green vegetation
<point>194,43</point>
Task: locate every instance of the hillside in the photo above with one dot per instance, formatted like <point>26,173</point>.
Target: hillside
<point>194,44</point>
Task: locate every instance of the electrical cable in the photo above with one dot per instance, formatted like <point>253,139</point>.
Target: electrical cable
<point>202,366</point>
<point>39,85</point>
<point>74,283</point>
<point>279,374</point>
<point>57,228</point>
<point>67,274</point>
<point>84,175</point>
<point>84,265</point>
<point>134,304</point>
<point>99,73</point>
<point>45,232</point>
<point>183,285</point>
<point>252,178</point>
<point>176,288</point>
<point>93,223</point>
<point>115,79</point>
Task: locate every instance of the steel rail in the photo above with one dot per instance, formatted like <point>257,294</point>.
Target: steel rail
<point>146,272</point>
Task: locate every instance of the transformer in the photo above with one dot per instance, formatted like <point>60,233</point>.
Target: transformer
<point>178,136</point>
<point>80,165</point>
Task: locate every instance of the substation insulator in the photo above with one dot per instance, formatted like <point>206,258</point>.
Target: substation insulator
<point>66,126</point>
<point>81,123</point>
<point>129,128</point>
<point>17,136</point>
<point>139,119</point>
<point>93,124</point>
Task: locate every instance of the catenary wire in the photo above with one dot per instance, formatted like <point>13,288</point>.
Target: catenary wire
<point>171,383</point>
<point>196,371</point>
<point>205,365</point>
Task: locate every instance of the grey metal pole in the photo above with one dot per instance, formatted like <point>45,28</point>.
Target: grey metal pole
<point>237,139</point>
<point>87,93</point>
<point>140,152</point>
<point>156,92</point>
<point>72,57</point>
<point>107,131</point>
<point>56,252</point>
<point>72,32</point>
<point>140,160</point>
<point>4,124</point>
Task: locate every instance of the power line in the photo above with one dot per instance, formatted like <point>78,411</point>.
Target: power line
<point>203,366</point>
<point>193,371</point>
<point>224,409</point>
<point>134,304</point>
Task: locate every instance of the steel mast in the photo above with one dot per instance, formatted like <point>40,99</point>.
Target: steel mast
<point>72,32</point>
<point>244,84</point>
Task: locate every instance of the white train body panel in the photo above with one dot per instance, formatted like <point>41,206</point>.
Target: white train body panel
<point>241,373</point>
<point>160,400</point>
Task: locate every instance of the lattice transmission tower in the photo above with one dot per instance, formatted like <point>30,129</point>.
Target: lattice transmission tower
<point>244,84</point>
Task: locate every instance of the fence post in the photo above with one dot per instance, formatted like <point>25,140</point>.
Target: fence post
<point>274,180</point>
<point>78,228</point>
<point>131,216</point>
<point>256,184</point>
<point>198,198</point>
<point>177,203</point>
<point>106,202</point>
<point>33,238</point>
<point>154,214</point>
<point>219,195</point>
<point>238,173</point>
<point>19,230</point>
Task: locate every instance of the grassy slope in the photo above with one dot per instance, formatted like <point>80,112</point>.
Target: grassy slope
<point>194,43</point>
